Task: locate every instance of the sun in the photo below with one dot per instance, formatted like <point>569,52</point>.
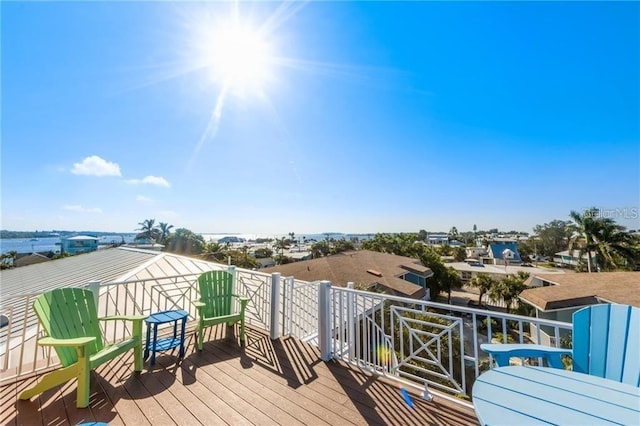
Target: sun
<point>239,58</point>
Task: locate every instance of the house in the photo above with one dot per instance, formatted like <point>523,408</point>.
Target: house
<point>558,296</point>
<point>476,252</point>
<point>471,267</point>
<point>437,239</point>
<point>504,251</point>
<point>79,244</point>
<point>371,270</point>
<point>571,259</point>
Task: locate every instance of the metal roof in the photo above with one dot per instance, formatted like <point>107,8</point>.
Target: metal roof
<point>74,271</point>
<point>108,265</point>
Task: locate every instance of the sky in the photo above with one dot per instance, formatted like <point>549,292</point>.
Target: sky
<point>313,117</point>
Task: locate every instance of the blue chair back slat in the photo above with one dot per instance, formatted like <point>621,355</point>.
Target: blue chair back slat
<point>617,344</point>
<point>599,340</point>
<point>581,340</point>
<point>631,372</point>
<point>606,342</point>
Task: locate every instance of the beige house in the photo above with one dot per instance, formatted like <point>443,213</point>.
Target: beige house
<point>370,270</point>
<point>558,296</point>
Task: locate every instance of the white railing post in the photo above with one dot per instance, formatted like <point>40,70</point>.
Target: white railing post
<point>94,286</point>
<point>324,320</point>
<point>232,270</point>
<point>275,305</point>
<point>351,322</point>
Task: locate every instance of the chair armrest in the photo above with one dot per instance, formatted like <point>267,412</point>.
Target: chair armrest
<point>124,317</point>
<point>77,341</point>
<point>199,304</point>
<point>502,352</point>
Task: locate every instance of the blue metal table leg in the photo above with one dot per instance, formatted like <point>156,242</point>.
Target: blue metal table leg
<point>155,341</point>
<point>184,321</point>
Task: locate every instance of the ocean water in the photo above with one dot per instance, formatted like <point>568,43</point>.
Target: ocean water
<point>25,245</point>
<point>213,237</point>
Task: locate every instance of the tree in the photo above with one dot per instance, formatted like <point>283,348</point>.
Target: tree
<point>453,233</point>
<point>165,230</point>
<point>459,254</point>
<point>552,237</point>
<point>242,258</point>
<point>601,236</point>
<point>422,235</point>
<point>398,244</point>
<point>214,251</point>
<point>9,259</point>
<point>508,289</point>
<point>148,228</point>
<point>184,241</point>
<point>483,283</point>
<point>261,253</point>
<point>280,244</point>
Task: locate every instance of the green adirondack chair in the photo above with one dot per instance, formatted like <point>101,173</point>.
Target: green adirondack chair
<point>217,303</point>
<point>70,320</point>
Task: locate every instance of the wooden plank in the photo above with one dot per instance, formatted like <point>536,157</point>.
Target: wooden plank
<point>264,383</point>
<point>174,408</point>
<point>324,405</point>
<point>172,379</point>
<point>27,412</point>
<point>202,390</point>
<point>110,376</point>
<point>262,396</point>
<point>8,397</point>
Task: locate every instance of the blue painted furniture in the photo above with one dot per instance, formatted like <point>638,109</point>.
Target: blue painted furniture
<point>541,395</point>
<point>154,344</point>
<point>606,343</point>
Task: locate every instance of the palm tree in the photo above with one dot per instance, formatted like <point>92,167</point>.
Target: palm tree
<point>165,230</point>
<point>148,228</point>
<point>507,290</point>
<point>280,244</point>
<point>604,238</point>
<point>483,283</point>
<point>214,251</point>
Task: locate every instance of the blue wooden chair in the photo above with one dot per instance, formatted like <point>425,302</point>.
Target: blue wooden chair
<point>606,343</point>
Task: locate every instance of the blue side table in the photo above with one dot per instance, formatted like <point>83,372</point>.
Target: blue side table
<point>158,345</point>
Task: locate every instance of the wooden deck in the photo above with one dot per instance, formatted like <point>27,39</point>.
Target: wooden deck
<point>267,382</point>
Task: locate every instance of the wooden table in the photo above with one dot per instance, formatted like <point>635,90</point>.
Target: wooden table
<point>539,395</point>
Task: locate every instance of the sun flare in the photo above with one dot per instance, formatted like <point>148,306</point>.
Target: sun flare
<point>239,58</point>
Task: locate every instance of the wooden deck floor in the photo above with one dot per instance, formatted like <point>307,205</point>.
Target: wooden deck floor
<point>267,382</point>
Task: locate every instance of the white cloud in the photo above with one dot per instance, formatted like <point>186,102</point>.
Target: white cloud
<point>80,209</point>
<point>96,166</point>
<point>143,199</point>
<point>150,180</point>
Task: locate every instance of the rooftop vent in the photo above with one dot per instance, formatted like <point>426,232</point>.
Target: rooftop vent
<point>374,272</point>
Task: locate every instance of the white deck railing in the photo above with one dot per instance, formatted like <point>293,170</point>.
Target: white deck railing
<point>416,342</point>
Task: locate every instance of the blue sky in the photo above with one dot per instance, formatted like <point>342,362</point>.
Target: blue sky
<point>364,117</point>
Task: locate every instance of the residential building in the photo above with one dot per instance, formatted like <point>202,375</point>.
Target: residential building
<point>501,252</point>
<point>79,244</point>
<point>571,259</point>
<point>370,270</point>
<point>558,296</point>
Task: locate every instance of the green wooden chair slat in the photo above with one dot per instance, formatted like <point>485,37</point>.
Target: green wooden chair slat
<point>69,318</point>
<point>216,303</point>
